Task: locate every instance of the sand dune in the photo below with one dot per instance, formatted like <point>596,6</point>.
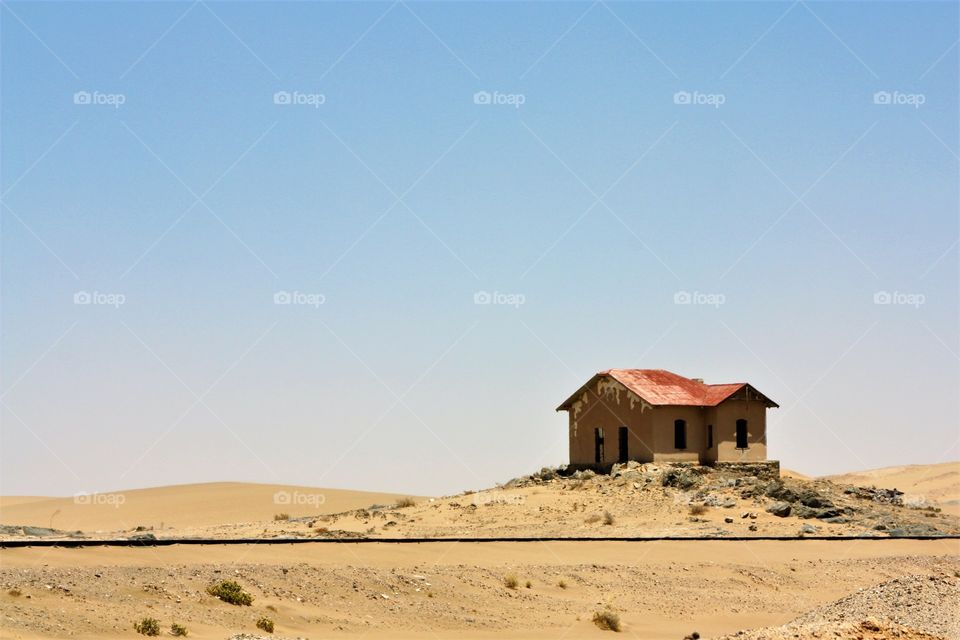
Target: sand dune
<point>181,506</point>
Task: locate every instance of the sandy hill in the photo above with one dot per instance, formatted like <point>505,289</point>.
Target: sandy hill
<point>937,482</point>
<point>183,506</point>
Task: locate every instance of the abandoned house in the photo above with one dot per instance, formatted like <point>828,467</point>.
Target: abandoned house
<point>652,415</point>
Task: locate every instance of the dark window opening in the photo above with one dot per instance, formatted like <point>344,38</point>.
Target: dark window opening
<point>679,434</point>
<point>709,436</point>
<point>624,453</point>
<point>741,434</point>
<point>598,445</point>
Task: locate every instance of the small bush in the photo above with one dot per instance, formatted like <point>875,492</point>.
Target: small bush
<point>405,502</point>
<point>147,627</point>
<point>281,516</point>
<point>230,592</point>
<point>178,630</point>
<point>608,518</point>
<point>698,509</point>
<point>266,624</point>
<point>607,620</point>
<point>511,581</point>
<point>562,584</point>
<point>529,585</point>
<point>272,608</point>
<point>16,593</point>
<point>593,518</point>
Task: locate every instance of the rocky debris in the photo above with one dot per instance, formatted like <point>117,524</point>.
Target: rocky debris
<point>922,602</point>
<point>142,537</point>
<point>780,509</point>
<point>714,500</point>
<point>808,530</point>
<point>881,496</point>
<point>917,607</point>
<point>254,636</point>
<point>914,530</point>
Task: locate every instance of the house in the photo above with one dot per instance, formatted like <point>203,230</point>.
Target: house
<point>652,415</point>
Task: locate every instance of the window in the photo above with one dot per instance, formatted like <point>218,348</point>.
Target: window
<point>741,434</point>
<point>679,434</point>
<point>709,436</point>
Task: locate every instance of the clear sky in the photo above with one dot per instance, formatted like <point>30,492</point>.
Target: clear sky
<point>469,208</point>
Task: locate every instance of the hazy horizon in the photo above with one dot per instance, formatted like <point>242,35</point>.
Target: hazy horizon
<point>373,245</point>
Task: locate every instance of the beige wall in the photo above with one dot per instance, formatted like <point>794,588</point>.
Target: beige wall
<point>609,405</point>
<point>725,431</point>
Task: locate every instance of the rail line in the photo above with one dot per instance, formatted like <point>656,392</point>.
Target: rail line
<point>169,542</point>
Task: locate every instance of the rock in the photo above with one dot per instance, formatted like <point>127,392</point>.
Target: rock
<point>780,491</point>
<point>728,520</point>
<point>752,527</point>
<point>745,514</point>
<point>808,529</point>
<point>39,531</point>
<point>780,509</point>
<point>803,511</point>
<point>826,513</point>
<point>811,498</point>
<point>836,520</point>
<point>680,478</point>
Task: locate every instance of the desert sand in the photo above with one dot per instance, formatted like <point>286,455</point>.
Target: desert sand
<point>383,590</point>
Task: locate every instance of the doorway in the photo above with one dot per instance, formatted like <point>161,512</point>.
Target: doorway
<point>624,452</point>
<point>598,445</point>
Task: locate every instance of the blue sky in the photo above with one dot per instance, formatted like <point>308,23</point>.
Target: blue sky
<point>181,165</point>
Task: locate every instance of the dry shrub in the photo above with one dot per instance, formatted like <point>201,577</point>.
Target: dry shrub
<point>607,620</point>
<point>281,516</point>
<point>147,627</point>
<point>562,584</point>
<point>511,581</point>
<point>608,518</point>
<point>230,592</point>
<point>405,502</point>
<point>266,624</point>
<point>592,518</point>
<point>698,509</point>
<point>178,630</point>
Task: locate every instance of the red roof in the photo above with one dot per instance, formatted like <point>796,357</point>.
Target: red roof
<point>661,387</point>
